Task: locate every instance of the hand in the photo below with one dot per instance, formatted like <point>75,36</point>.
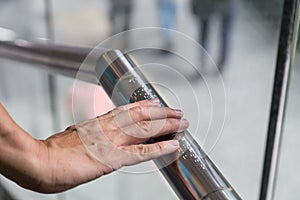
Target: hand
<point>99,146</point>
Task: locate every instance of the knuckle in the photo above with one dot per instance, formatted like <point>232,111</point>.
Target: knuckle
<point>147,149</point>
<point>71,128</point>
<point>111,113</point>
<point>145,126</point>
<point>123,107</point>
<point>106,115</point>
<point>137,113</point>
<point>142,151</point>
<point>147,152</point>
<point>159,147</point>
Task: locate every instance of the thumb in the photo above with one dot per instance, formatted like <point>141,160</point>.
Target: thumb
<point>144,152</point>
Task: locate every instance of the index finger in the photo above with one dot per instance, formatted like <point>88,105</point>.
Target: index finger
<point>150,102</point>
<point>119,109</point>
<point>139,114</point>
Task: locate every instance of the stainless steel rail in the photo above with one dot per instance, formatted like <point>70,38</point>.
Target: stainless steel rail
<point>57,59</point>
<point>192,175</point>
<point>190,172</point>
<point>285,61</point>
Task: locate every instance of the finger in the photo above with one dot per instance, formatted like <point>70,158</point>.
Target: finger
<point>138,114</point>
<point>145,130</point>
<point>117,110</point>
<point>144,152</point>
<point>151,102</point>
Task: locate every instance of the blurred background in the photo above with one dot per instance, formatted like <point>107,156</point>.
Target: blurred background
<point>241,36</point>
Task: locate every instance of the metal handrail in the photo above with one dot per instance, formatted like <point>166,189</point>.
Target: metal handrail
<point>191,174</point>
<point>285,61</point>
<point>57,59</point>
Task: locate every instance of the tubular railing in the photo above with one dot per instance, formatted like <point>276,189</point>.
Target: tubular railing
<point>190,172</point>
<point>285,61</point>
<point>63,60</point>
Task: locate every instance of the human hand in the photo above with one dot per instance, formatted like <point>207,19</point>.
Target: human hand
<point>99,146</point>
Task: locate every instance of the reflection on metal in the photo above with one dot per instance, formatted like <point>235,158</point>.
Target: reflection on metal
<point>7,35</point>
<point>190,172</point>
<point>285,60</point>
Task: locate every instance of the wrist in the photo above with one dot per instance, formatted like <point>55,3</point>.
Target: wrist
<point>19,160</point>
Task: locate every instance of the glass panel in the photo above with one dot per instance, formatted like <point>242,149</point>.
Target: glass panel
<point>240,36</point>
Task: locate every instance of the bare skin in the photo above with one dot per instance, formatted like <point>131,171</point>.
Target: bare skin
<point>79,154</point>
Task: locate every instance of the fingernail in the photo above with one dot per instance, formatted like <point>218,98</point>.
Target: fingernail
<point>178,112</point>
<point>174,143</point>
<point>155,101</point>
<point>185,122</point>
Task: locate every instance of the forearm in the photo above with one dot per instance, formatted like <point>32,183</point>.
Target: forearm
<point>18,152</point>
<point>44,165</point>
